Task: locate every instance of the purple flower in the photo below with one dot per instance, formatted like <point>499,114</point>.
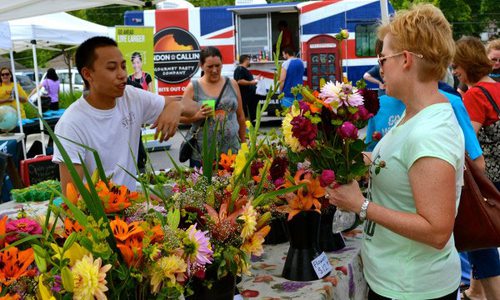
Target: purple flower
<point>363,113</point>
<point>23,225</point>
<point>327,177</point>
<point>346,88</point>
<point>348,131</point>
<point>303,106</point>
<point>57,287</point>
<point>200,252</point>
<point>279,182</point>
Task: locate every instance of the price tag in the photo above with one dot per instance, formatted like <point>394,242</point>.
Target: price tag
<point>321,265</point>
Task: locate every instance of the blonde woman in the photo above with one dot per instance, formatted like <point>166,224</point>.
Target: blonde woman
<point>408,249</point>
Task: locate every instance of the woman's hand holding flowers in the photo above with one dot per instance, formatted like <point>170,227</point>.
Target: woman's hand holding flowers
<point>346,197</point>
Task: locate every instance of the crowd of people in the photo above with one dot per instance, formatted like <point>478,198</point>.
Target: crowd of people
<point>408,249</point>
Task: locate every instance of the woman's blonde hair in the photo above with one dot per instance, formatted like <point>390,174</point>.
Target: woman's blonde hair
<point>422,29</point>
<point>471,56</point>
<point>493,45</point>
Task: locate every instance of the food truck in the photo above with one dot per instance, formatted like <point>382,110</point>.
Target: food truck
<point>180,33</point>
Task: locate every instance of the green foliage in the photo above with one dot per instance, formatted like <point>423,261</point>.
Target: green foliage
<point>466,17</point>
<point>30,110</point>
<point>65,99</point>
<point>26,57</point>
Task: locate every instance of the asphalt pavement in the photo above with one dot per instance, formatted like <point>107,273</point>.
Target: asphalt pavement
<point>161,160</point>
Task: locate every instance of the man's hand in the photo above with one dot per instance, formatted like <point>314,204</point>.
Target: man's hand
<point>167,122</point>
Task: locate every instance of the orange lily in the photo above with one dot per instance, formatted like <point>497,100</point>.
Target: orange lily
<point>14,264</point>
<point>223,211</point>
<point>307,197</point>
<point>158,234</point>
<point>225,225</point>
<point>116,198</point>
<point>131,251</point>
<point>3,223</point>
<point>71,193</point>
<point>227,160</point>
<point>10,297</point>
<point>123,231</point>
<point>70,227</point>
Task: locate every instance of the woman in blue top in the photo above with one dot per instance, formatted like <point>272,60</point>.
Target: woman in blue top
<point>408,249</point>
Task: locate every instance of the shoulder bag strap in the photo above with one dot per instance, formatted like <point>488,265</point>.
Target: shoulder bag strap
<point>221,92</point>
<point>488,95</point>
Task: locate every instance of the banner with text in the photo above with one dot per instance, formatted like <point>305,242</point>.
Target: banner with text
<point>136,44</point>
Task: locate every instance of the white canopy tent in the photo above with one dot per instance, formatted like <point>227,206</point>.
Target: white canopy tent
<point>18,9</point>
<point>47,31</point>
<point>53,29</point>
<point>6,43</point>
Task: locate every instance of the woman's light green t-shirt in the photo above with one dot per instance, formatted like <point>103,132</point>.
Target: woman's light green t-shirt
<point>395,266</point>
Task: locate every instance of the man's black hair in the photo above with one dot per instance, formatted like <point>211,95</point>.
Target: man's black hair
<point>289,51</point>
<point>85,54</point>
<point>243,58</point>
<point>282,23</point>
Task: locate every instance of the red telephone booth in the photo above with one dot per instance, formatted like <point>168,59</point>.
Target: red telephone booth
<point>323,60</point>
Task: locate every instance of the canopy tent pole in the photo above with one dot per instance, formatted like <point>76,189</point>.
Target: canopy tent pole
<point>384,11</point>
<point>16,92</point>
<point>39,101</point>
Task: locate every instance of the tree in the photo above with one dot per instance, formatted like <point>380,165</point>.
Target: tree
<point>466,17</point>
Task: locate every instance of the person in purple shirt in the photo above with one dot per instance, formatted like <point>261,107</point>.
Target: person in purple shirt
<point>51,85</point>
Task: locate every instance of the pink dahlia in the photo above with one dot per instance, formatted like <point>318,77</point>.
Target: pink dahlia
<point>197,247</point>
<point>348,131</point>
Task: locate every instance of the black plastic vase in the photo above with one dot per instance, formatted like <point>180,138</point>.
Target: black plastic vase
<point>278,233</point>
<point>329,241</point>
<point>304,246</point>
<point>222,289</point>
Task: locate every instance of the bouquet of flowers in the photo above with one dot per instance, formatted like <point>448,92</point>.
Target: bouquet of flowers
<point>135,249</point>
<point>322,129</point>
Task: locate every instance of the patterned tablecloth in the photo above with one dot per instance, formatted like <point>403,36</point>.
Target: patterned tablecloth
<point>346,281</point>
<point>12,208</point>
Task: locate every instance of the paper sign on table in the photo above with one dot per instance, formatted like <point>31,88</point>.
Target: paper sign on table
<point>321,265</point>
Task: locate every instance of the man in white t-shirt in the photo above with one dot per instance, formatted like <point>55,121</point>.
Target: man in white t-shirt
<point>109,119</point>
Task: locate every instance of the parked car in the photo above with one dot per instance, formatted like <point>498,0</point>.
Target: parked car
<point>31,75</point>
<point>26,83</point>
<point>76,80</point>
